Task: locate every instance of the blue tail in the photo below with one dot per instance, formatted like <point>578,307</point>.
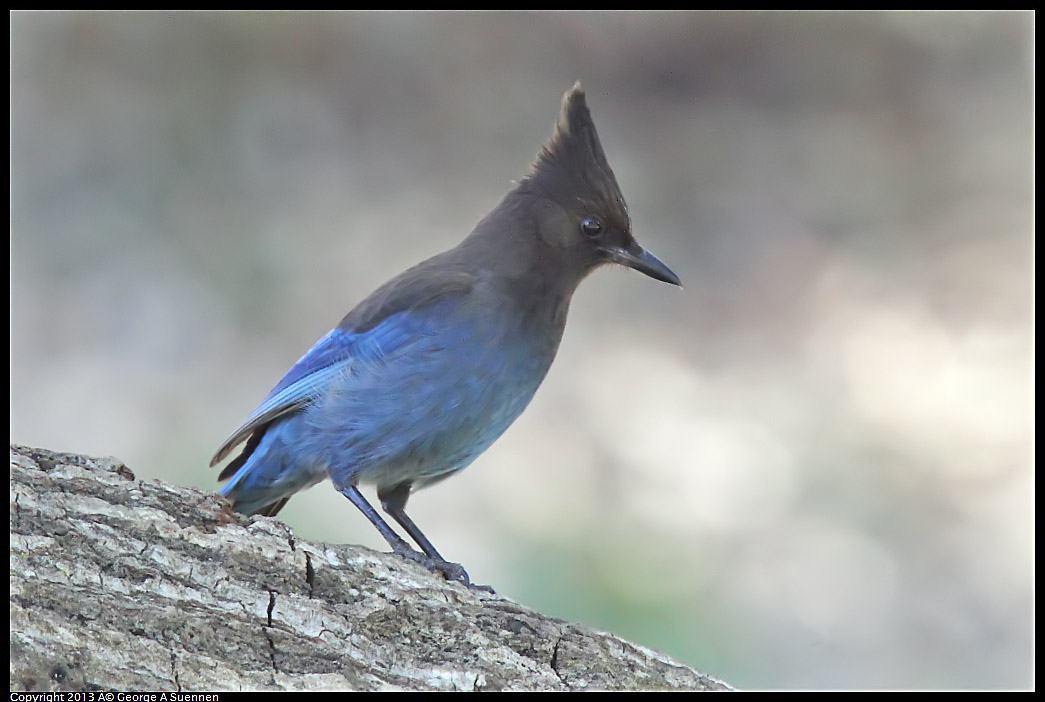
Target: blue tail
<point>271,475</point>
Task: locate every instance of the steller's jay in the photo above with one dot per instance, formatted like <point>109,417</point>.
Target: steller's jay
<point>424,374</point>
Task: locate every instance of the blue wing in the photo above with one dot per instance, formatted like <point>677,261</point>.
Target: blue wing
<point>340,351</point>
<point>400,311</point>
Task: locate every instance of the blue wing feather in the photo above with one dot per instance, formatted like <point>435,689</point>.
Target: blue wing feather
<point>332,349</point>
<point>384,323</point>
<point>340,351</point>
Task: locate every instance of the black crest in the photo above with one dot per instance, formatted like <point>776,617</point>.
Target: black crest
<point>574,154</point>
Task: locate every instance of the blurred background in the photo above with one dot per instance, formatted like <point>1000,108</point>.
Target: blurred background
<point>810,468</point>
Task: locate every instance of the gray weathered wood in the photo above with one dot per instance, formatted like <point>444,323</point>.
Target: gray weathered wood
<point>118,583</point>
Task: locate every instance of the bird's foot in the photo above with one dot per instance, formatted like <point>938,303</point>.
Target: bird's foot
<point>451,571</point>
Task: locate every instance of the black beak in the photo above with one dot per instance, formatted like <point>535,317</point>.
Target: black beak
<point>634,256</point>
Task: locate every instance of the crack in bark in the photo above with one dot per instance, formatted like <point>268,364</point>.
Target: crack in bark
<point>268,634</point>
<point>272,653</point>
<point>555,660</point>
<point>310,574</point>
<point>174,670</point>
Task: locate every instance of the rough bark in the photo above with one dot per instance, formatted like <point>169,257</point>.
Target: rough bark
<point>118,583</point>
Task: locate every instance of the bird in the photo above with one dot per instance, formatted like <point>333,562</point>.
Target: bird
<point>425,373</point>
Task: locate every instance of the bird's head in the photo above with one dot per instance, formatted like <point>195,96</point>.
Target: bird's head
<point>577,205</point>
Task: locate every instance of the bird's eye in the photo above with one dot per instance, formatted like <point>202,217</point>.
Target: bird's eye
<point>591,227</point>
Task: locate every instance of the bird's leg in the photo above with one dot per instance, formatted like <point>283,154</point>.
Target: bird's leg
<point>431,560</point>
<point>393,500</point>
<point>394,540</point>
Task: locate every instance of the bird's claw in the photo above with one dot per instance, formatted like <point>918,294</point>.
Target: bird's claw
<point>453,572</point>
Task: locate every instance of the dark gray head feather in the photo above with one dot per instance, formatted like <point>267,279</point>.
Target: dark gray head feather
<point>573,161</point>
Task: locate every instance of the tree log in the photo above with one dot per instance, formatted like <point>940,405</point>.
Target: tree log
<point>125,584</point>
